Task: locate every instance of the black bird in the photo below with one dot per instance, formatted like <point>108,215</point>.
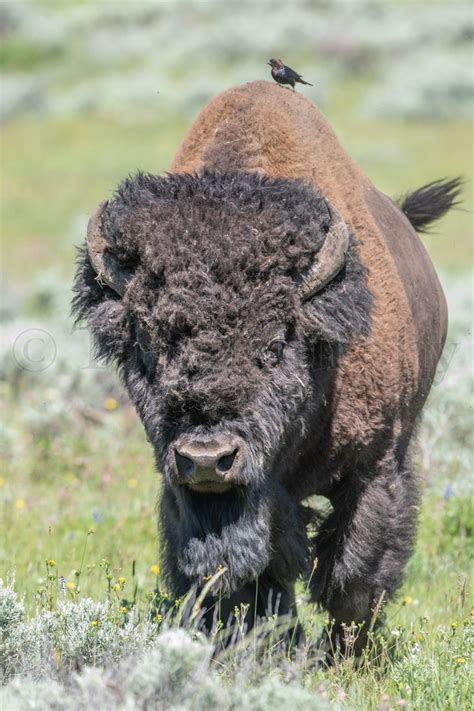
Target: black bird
<point>285,75</point>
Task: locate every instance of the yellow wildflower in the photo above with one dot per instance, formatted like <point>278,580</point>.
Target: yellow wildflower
<point>460,660</point>
<point>158,617</point>
<point>155,569</point>
<point>71,586</point>
<point>132,483</point>
<point>20,503</point>
<point>124,610</point>
<point>94,623</point>
<point>420,637</point>
<point>118,587</point>
<point>51,563</point>
<point>407,600</point>
<point>110,404</point>
<point>2,481</point>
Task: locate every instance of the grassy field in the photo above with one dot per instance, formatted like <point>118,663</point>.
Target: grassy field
<point>79,554</point>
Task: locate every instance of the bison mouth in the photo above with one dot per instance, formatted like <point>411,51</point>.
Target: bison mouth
<point>211,486</point>
<point>211,481</point>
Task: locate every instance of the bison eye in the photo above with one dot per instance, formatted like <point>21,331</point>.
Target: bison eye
<point>276,348</point>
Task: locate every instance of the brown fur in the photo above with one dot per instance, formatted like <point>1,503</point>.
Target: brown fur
<point>257,127</point>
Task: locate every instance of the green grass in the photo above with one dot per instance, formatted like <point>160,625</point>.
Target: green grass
<point>71,484</point>
<point>420,660</point>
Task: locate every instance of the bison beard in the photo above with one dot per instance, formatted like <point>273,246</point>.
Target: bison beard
<point>230,531</point>
<point>238,532</point>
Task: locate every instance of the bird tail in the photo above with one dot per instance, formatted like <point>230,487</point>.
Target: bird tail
<point>432,201</point>
<point>302,81</point>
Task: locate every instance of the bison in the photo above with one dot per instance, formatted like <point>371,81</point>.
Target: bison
<point>277,324</point>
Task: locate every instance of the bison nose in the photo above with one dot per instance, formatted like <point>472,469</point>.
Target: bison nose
<point>212,465</point>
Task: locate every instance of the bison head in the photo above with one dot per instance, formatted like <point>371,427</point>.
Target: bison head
<point>217,295</point>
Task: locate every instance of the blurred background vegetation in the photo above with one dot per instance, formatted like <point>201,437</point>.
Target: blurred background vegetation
<point>92,91</point>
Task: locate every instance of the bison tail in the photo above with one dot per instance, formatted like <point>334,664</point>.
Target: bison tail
<point>432,201</point>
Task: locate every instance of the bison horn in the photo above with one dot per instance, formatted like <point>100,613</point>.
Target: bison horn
<point>104,262</point>
<point>330,259</point>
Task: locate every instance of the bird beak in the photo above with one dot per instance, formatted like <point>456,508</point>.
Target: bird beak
<point>269,63</point>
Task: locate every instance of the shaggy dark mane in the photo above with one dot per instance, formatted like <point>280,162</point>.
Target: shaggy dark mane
<point>212,242</point>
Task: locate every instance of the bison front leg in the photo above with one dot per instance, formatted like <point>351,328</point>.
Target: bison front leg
<point>362,548</point>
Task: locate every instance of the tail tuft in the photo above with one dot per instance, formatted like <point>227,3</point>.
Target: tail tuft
<point>432,201</point>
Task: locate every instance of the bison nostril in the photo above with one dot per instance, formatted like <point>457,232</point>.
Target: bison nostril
<point>186,467</point>
<point>225,463</point>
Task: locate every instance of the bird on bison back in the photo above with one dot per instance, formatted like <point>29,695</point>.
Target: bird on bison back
<point>277,323</point>
<point>285,75</point>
